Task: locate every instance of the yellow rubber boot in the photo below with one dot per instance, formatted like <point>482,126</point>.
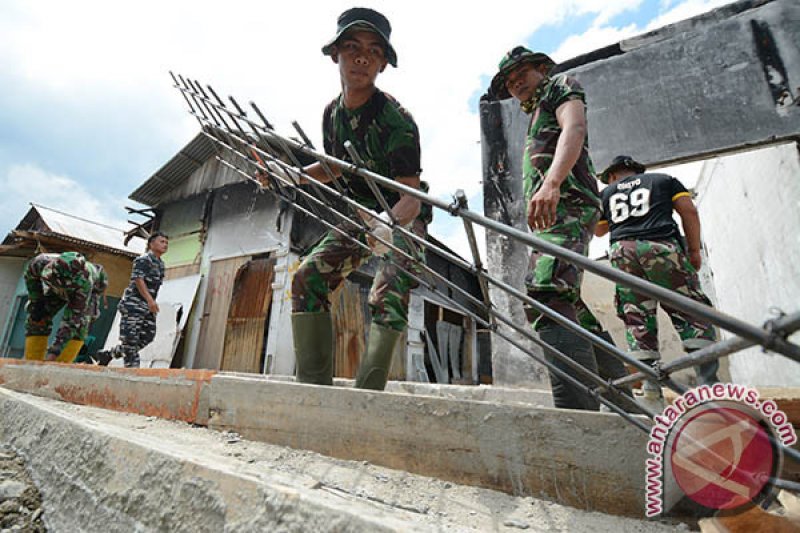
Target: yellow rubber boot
<point>35,347</point>
<point>70,351</point>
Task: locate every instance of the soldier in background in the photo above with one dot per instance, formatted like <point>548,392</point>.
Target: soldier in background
<point>54,281</point>
<point>646,242</point>
<point>138,307</point>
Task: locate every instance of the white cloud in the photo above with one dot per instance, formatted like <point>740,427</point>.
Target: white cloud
<point>684,10</point>
<point>23,184</point>
<point>114,60</point>
<point>596,37</point>
<point>600,34</point>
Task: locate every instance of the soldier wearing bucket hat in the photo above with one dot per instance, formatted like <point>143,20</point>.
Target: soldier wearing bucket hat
<point>387,139</point>
<point>563,206</point>
<point>646,242</point>
<point>362,18</point>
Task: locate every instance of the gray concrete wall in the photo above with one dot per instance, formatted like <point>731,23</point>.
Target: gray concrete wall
<point>749,206</point>
<point>701,86</point>
<point>10,277</point>
<point>503,129</point>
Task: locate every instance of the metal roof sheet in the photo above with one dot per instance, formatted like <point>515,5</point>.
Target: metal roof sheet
<point>87,231</point>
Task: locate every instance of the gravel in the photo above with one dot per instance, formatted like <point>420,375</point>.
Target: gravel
<point>20,501</point>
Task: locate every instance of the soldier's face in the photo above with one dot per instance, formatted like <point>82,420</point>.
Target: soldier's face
<point>361,57</point>
<point>522,81</point>
<point>159,245</point>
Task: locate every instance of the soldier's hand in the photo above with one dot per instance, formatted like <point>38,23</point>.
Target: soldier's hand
<point>542,207</point>
<point>153,306</point>
<point>279,172</point>
<point>696,259</point>
<point>379,227</point>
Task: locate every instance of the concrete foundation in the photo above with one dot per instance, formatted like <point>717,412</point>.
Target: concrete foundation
<point>96,476</point>
<point>576,458</point>
<point>100,470</point>
<point>590,461</point>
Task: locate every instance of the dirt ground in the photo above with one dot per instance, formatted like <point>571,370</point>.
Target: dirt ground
<point>20,501</point>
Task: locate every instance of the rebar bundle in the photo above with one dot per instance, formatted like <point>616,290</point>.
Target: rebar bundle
<point>249,144</point>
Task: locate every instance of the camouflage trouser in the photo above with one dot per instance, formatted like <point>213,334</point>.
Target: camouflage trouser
<point>557,283</point>
<point>137,329</point>
<point>336,256</point>
<point>663,263</point>
<point>43,308</point>
<point>586,318</point>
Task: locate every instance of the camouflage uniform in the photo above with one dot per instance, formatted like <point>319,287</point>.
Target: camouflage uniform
<point>665,264</point>
<point>646,242</point>
<point>386,138</point>
<point>137,327</point>
<point>552,281</point>
<point>57,280</point>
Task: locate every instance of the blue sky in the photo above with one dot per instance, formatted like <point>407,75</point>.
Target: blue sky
<point>88,111</point>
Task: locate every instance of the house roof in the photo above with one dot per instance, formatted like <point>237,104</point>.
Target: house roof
<point>175,171</point>
<point>41,221</point>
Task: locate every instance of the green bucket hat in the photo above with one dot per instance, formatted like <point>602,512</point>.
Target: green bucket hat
<point>364,19</point>
<point>622,161</point>
<point>517,56</point>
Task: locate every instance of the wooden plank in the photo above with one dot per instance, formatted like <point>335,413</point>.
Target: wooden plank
<point>221,278</point>
<point>244,335</point>
<point>181,271</point>
<point>349,328</point>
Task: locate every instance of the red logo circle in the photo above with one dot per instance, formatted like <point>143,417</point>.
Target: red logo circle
<point>722,458</point>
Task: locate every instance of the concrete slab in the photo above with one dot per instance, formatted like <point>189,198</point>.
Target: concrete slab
<point>590,461</point>
<point>99,476</point>
<point>483,393</point>
<point>172,394</point>
<point>124,463</point>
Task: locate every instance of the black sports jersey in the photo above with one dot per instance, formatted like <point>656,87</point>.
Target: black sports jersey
<point>640,207</point>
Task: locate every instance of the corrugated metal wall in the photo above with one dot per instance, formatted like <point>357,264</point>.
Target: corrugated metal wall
<point>247,318</point>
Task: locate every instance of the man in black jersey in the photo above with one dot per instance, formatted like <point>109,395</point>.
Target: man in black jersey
<point>646,242</point>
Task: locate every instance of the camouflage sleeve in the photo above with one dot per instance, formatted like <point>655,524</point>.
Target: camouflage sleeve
<point>563,89</point>
<point>676,189</point>
<point>403,147</point>
<point>141,267</point>
<point>327,128</point>
<point>51,271</point>
<point>33,282</point>
<point>76,319</point>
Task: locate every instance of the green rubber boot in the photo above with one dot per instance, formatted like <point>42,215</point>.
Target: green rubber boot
<point>610,368</point>
<point>374,368</point>
<point>313,347</point>
<point>565,394</point>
